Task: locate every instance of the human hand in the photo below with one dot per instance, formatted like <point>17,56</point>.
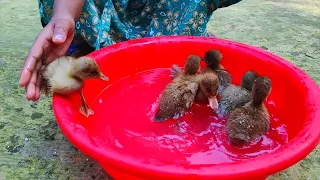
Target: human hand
<point>52,42</point>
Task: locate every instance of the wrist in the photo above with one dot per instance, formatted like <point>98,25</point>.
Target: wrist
<point>67,9</point>
<point>65,17</point>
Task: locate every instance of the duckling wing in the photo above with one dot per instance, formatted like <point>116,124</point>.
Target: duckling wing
<point>175,71</point>
<point>225,79</point>
<point>59,66</point>
<point>189,94</point>
<point>237,125</point>
<point>232,97</point>
<point>176,99</point>
<point>248,121</point>
<point>58,79</point>
<point>62,84</point>
<point>207,70</point>
<point>260,120</point>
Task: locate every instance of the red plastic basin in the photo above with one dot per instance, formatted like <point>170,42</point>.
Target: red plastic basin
<point>295,98</point>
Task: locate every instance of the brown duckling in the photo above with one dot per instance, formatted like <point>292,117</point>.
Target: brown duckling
<point>178,96</point>
<point>236,96</point>
<point>208,91</point>
<point>66,75</point>
<point>212,59</point>
<point>248,122</point>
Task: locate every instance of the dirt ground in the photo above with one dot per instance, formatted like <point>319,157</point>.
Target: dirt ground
<point>33,147</point>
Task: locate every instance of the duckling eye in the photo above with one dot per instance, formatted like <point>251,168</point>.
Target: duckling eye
<point>92,73</point>
<point>208,89</point>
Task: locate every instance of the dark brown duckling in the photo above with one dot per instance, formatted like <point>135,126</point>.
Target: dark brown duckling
<point>213,60</point>
<point>248,122</point>
<point>236,96</point>
<point>178,96</point>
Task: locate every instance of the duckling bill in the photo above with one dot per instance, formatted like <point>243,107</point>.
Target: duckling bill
<point>66,75</point>
<point>248,122</point>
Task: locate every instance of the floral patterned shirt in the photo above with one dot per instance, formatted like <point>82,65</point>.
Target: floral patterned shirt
<point>105,22</point>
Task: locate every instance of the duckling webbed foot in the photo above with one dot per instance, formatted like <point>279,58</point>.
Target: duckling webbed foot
<point>84,108</point>
<point>178,126</point>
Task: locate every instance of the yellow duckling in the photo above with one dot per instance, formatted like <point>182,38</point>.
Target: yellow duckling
<point>66,75</point>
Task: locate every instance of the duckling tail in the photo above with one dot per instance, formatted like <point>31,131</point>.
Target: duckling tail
<point>44,89</point>
<point>175,71</point>
<point>158,117</point>
<point>84,108</point>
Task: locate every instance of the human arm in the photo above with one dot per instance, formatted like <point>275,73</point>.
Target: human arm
<point>67,8</point>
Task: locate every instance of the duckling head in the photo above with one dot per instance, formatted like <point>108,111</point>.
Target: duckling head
<point>86,68</point>
<point>192,65</point>
<point>212,58</point>
<point>209,87</point>
<point>248,80</point>
<point>260,90</point>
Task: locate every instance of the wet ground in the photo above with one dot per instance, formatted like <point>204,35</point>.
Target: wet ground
<point>33,147</point>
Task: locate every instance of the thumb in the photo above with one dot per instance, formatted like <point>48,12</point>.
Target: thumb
<point>60,32</point>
